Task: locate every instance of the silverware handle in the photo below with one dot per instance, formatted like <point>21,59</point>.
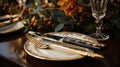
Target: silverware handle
<point>78,42</point>
<point>84,53</point>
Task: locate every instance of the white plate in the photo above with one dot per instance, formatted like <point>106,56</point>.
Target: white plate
<point>56,54</point>
<point>12,27</point>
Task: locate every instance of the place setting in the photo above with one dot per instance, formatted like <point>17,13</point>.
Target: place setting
<point>12,22</point>
<point>52,46</point>
<point>11,25</point>
<point>58,33</point>
<point>62,46</point>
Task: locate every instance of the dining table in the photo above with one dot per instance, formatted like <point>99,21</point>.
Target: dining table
<point>12,54</point>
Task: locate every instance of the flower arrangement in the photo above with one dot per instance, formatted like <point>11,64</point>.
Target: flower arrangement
<point>57,15</point>
<point>65,15</point>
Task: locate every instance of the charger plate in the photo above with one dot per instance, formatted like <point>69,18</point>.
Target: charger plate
<point>56,54</point>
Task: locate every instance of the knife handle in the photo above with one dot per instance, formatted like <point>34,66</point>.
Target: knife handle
<point>81,43</point>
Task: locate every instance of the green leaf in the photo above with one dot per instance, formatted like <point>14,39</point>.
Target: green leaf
<point>59,27</point>
<point>61,20</point>
<point>59,16</point>
<point>45,13</point>
<point>71,21</point>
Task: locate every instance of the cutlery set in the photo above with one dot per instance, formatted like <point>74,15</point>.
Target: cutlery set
<point>79,46</point>
<point>77,42</point>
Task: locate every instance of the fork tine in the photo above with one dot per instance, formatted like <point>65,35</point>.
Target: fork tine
<point>36,42</point>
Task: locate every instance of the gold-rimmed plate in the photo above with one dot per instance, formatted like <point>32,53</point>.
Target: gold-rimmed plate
<point>57,54</point>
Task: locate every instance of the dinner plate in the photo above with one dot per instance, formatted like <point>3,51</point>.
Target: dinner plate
<point>56,54</point>
<point>12,27</point>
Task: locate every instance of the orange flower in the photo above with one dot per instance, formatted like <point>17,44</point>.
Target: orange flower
<point>70,7</point>
<point>62,2</point>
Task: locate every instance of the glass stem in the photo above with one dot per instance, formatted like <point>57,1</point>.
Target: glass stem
<point>98,24</point>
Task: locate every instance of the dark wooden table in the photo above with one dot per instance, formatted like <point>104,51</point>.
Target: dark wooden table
<point>12,54</point>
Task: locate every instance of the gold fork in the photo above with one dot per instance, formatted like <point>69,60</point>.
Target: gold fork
<point>36,42</point>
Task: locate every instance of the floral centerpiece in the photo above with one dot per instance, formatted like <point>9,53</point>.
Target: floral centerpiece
<point>60,15</point>
<point>64,15</point>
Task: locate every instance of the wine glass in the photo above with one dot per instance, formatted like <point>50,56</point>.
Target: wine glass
<point>98,8</point>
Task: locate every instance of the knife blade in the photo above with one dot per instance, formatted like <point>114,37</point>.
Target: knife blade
<point>77,42</point>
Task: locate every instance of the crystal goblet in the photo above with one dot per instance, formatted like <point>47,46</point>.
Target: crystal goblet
<point>98,8</point>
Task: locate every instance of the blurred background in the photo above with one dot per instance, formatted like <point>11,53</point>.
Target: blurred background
<point>62,15</point>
